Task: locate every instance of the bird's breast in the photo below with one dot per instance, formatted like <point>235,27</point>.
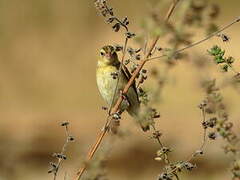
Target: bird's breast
<point>106,83</point>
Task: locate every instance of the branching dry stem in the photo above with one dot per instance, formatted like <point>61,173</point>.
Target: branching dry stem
<point>237,20</point>
<point>147,58</point>
<point>60,160</point>
<point>120,99</point>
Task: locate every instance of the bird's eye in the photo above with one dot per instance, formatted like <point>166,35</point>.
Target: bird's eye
<point>102,53</point>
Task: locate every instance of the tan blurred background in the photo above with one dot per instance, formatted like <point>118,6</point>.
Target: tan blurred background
<point>48,51</point>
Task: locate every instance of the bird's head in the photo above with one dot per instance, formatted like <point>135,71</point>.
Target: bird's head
<point>108,56</point>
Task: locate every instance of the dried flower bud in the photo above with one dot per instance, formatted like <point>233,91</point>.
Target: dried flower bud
<point>159,48</point>
<point>116,27</point>
<point>125,21</point>
<point>127,61</point>
<point>158,159</point>
<point>157,134</point>
<point>104,108</point>
<point>144,71</point>
<point>189,166</point>
<point>130,51</point>
<point>53,165</point>
<point>162,151</point>
<point>65,123</point>
<point>71,138</point>
<point>130,35</point>
<point>118,47</point>
<point>198,152</point>
<point>224,37</point>
<point>138,57</point>
<point>202,105</point>
<point>59,156</point>
<point>138,50</point>
<point>110,20</point>
<point>165,176</point>
<point>212,135</point>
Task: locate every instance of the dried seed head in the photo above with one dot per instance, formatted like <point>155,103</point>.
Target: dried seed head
<point>71,138</point>
<point>165,176</point>
<point>104,108</point>
<point>144,71</point>
<point>53,164</point>
<point>127,61</point>
<point>130,35</point>
<point>116,27</point>
<point>118,47</point>
<point>198,152</point>
<point>157,134</point>
<point>125,21</point>
<point>224,37</point>
<point>110,20</point>
<point>189,166</point>
<point>65,123</point>
<point>60,156</point>
<point>238,19</point>
<point>212,135</point>
<point>138,57</point>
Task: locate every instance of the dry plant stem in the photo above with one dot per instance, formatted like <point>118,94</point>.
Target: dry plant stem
<point>202,145</point>
<point>141,64</point>
<point>118,77</point>
<point>60,160</point>
<point>106,126</point>
<point>166,19</point>
<point>91,153</point>
<point>204,140</point>
<point>166,158</point>
<point>200,41</point>
<point>120,99</point>
<point>204,130</point>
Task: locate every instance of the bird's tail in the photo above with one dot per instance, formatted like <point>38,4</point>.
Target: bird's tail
<point>142,120</point>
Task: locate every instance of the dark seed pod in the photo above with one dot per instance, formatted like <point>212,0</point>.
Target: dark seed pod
<point>116,27</point>
<point>65,123</point>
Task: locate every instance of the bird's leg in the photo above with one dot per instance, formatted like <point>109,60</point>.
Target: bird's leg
<point>115,123</point>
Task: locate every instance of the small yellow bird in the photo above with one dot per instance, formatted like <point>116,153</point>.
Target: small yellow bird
<point>107,76</point>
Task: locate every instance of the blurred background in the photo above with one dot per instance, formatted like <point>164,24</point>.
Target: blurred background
<point>48,51</point>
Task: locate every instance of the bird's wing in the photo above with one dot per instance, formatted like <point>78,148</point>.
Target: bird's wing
<point>128,75</point>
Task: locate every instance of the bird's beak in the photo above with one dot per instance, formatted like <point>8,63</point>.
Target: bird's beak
<point>108,55</point>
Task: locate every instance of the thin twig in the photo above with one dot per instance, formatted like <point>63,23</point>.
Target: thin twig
<point>119,74</point>
<point>166,19</point>
<point>120,99</point>
<point>166,158</point>
<point>91,153</point>
<point>200,41</point>
<point>201,147</point>
<point>142,63</point>
<point>108,121</point>
<point>60,160</point>
<point>204,129</point>
<point>204,138</point>
<point>134,75</point>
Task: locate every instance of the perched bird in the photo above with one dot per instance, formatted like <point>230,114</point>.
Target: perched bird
<point>107,76</point>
